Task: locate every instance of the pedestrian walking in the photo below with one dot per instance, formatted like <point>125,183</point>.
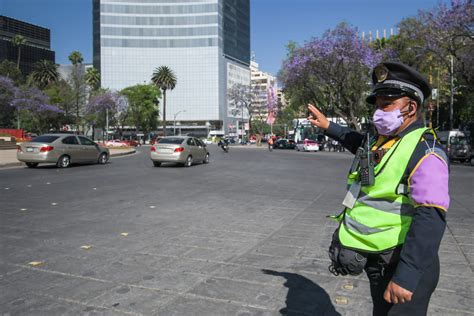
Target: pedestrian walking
<point>395,209</point>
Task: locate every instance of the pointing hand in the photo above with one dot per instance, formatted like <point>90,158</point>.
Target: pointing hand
<point>317,118</point>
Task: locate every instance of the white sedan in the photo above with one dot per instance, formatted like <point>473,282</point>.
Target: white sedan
<point>116,143</point>
<point>307,145</point>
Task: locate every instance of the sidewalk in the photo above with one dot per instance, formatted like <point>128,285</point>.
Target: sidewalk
<point>8,156</point>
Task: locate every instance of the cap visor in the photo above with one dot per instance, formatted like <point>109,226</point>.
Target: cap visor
<point>390,93</point>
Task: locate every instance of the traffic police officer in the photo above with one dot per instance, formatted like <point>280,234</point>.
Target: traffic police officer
<point>395,208</point>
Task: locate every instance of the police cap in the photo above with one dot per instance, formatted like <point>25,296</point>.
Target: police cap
<point>394,79</point>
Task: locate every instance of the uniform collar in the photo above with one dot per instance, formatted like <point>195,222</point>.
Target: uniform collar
<point>410,128</point>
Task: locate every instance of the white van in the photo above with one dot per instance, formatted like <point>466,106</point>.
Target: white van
<point>456,144</point>
<point>215,134</point>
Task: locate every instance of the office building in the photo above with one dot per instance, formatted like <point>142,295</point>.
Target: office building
<point>261,81</point>
<point>205,42</point>
<point>37,46</point>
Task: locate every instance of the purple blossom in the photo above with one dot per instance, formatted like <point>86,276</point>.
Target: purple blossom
<point>7,90</point>
<point>341,47</point>
<point>34,101</point>
<point>111,101</point>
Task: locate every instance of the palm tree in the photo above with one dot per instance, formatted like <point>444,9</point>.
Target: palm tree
<point>164,78</point>
<point>76,59</point>
<point>18,41</point>
<point>93,78</point>
<point>45,73</point>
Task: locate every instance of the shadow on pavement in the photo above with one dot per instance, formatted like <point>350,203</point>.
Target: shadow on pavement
<point>304,296</point>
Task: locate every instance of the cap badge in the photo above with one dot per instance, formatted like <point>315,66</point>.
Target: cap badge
<point>381,73</point>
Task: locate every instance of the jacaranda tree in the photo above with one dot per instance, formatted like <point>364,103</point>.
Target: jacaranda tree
<point>106,103</point>
<point>7,95</point>
<point>331,72</point>
<point>34,111</point>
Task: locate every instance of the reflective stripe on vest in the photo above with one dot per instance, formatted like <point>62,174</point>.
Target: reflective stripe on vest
<point>361,228</point>
<point>382,213</point>
<point>386,205</point>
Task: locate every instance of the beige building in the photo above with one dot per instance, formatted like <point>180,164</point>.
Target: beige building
<point>260,81</point>
<point>281,98</point>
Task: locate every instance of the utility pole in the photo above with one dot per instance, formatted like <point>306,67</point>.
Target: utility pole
<point>451,101</point>
<point>174,122</point>
<point>106,124</point>
<point>243,125</point>
<point>437,103</point>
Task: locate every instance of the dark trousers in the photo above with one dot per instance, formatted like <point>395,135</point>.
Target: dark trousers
<point>380,274</point>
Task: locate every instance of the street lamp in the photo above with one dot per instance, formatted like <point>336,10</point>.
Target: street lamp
<point>174,121</point>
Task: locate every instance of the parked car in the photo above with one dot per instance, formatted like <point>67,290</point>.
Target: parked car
<point>62,149</point>
<point>184,150</point>
<point>284,143</point>
<point>307,145</point>
<point>132,142</point>
<point>116,143</point>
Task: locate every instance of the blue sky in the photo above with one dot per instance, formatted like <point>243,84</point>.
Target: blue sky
<point>273,22</point>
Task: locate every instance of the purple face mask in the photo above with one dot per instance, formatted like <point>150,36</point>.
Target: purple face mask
<point>387,123</point>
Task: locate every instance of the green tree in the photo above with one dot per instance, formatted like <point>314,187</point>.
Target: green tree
<point>142,110</point>
<point>77,83</point>
<point>61,94</point>
<point>8,69</point>
<point>164,78</point>
<point>18,41</point>
<point>93,78</point>
<point>45,73</point>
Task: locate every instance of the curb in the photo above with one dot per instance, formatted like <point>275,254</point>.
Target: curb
<point>17,163</point>
<point>10,164</point>
<point>124,153</point>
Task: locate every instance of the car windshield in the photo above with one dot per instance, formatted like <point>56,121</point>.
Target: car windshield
<point>45,139</point>
<point>312,142</point>
<point>176,141</point>
<point>459,140</point>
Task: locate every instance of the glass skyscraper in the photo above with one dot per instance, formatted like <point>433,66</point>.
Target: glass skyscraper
<point>36,48</point>
<point>205,42</point>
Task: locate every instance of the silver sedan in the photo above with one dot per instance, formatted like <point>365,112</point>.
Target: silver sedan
<point>61,149</point>
<point>179,149</point>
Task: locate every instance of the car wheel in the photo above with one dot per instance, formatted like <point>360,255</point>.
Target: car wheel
<point>206,159</point>
<point>32,164</point>
<point>189,162</point>
<point>63,161</point>
<point>472,161</point>
<point>156,163</point>
<point>103,158</point>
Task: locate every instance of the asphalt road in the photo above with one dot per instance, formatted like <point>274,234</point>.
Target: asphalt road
<point>244,235</point>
